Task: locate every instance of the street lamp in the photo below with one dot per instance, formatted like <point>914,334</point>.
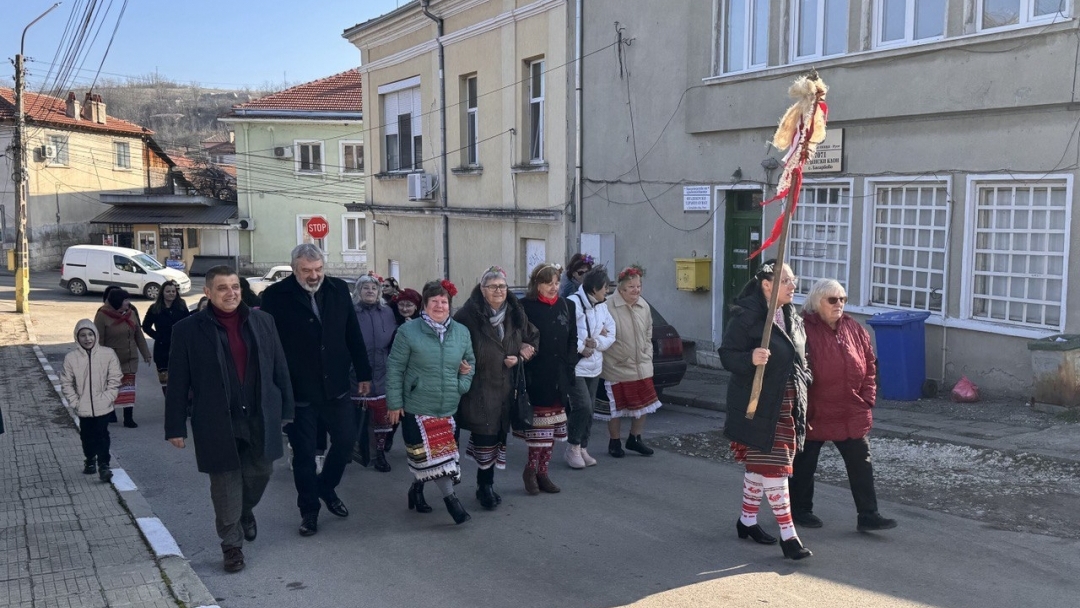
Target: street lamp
<point>22,255</point>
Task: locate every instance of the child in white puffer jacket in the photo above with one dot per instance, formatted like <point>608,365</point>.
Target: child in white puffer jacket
<point>90,382</point>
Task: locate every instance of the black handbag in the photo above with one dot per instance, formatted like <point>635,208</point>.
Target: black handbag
<point>521,410</point>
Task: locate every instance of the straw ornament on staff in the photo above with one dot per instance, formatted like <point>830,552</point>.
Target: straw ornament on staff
<point>801,129</point>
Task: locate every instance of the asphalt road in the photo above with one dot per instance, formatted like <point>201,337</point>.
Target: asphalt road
<point>647,532</point>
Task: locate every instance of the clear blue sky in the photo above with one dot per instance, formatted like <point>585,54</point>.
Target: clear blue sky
<point>222,43</point>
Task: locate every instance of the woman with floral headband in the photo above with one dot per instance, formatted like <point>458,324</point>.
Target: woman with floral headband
<point>576,268</point>
<point>628,366</point>
<point>768,442</point>
<point>502,338</point>
<point>549,375</point>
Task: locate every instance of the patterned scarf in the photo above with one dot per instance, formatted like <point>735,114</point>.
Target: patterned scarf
<point>496,319</point>
<point>438,328</point>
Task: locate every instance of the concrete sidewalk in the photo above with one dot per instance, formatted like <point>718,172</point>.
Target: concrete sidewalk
<point>1008,426</point>
<point>68,539</point>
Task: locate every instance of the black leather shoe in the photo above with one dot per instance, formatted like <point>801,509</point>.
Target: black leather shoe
<point>874,521</point>
<point>309,526</point>
<point>634,443</point>
<point>755,532</point>
<point>234,559</point>
<point>335,506</point>
<point>131,425</point>
<point>458,512</point>
<point>416,498</point>
<point>89,467</point>
<point>614,447</point>
<point>794,549</point>
<point>251,529</point>
<point>486,496</point>
<point>498,499</point>
<point>380,464</point>
<point>807,519</point>
<point>105,473</point>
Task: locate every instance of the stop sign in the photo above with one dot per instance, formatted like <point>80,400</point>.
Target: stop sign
<point>317,227</point>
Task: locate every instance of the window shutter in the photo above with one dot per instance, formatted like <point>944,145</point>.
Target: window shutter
<point>390,113</point>
<point>417,110</point>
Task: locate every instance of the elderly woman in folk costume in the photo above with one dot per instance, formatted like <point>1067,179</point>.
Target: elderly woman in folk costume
<point>628,366</point>
<point>377,324</point>
<point>430,368</point>
<point>406,305</point>
<point>502,339</point>
<point>768,442</point>
<point>549,374</point>
<point>118,328</point>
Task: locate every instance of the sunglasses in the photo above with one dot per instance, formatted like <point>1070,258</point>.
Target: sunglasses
<point>836,299</point>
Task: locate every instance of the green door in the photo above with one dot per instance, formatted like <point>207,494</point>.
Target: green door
<point>743,236</point>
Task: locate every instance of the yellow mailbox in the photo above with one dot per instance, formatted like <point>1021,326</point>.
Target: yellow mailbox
<point>693,274</point>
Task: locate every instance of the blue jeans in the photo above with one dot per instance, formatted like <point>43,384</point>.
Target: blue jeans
<point>579,415</point>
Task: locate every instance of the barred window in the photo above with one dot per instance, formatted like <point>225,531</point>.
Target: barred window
<point>909,232</point>
<point>820,234</point>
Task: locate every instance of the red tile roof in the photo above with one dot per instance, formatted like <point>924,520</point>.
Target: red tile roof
<point>45,109</point>
<point>337,93</point>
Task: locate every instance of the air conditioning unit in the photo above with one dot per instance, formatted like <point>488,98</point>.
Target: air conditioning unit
<point>283,151</point>
<point>244,223</point>
<point>422,186</point>
<point>47,152</point>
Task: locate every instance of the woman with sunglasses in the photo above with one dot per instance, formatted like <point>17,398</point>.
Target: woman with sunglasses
<point>579,264</point>
<point>768,442</point>
<point>844,391</point>
<point>166,311</point>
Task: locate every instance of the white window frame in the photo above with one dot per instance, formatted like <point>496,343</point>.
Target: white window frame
<point>806,216</point>
<point>536,130</point>
<point>909,26</point>
<point>298,146</point>
<point>302,236</point>
<point>360,233</point>
<point>1025,18</point>
<point>343,168</point>
<point>395,98</point>
<point>749,35</point>
<point>1036,180</point>
<point>869,240</point>
<point>122,161</point>
<point>472,122</point>
<point>819,51</point>
<point>63,150</point>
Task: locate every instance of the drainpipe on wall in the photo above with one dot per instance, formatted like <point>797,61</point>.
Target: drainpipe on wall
<point>579,171</point>
<point>442,132</point>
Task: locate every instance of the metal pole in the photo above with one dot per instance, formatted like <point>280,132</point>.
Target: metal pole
<point>22,254</point>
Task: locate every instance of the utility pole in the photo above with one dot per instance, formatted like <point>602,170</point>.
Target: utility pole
<point>22,250</point>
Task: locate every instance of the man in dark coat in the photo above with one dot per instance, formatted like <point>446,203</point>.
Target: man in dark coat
<point>226,363</point>
<point>318,328</point>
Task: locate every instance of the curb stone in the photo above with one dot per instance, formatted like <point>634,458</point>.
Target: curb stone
<point>181,578</point>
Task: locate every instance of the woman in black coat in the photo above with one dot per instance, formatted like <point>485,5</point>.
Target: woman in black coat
<point>163,314</point>
<point>549,375</point>
<point>767,443</point>
<point>502,337</point>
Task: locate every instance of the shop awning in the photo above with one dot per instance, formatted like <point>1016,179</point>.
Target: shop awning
<point>217,215</point>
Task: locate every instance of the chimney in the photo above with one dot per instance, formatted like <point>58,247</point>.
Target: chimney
<point>88,107</point>
<point>74,109</point>
<point>99,110</point>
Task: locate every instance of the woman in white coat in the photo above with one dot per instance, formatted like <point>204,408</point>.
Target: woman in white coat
<point>595,333</point>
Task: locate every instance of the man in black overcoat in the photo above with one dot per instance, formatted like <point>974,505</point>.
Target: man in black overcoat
<point>317,324</point>
<point>226,364</point>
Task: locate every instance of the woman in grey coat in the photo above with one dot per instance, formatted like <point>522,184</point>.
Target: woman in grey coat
<point>377,324</point>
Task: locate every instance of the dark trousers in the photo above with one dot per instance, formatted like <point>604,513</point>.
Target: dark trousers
<point>856,455</point>
<point>579,415</point>
<point>339,416</point>
<point>235,494</point>
<point>94,432</point>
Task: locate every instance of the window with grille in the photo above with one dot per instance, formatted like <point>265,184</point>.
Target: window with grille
<point>1019,253</point>
<point>820,234</point>
<point>909,245</point>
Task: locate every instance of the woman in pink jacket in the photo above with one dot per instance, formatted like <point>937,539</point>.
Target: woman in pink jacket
<point>840,399</point>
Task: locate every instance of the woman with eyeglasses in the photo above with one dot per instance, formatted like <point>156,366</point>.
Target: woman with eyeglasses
<point>502,338</point>
<point>839,408</point>
<point>768,442</point>
<point>579,264</point>
<point>166,311</point>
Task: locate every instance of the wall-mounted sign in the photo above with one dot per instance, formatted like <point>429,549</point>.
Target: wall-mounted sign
<point>829,156</point>
<point>696,198</point>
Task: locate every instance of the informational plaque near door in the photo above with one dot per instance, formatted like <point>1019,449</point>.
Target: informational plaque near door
<point>696,198</point>
<point>829,157</point>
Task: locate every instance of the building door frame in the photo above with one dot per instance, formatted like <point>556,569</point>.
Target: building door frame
<point>719,315</point>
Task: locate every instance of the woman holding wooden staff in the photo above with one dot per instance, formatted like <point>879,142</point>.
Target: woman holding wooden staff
<point>768,441</point>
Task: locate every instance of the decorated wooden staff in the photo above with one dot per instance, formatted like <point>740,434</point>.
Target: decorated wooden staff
<point>801,129</point>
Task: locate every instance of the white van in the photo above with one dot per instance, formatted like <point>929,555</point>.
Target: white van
<point>90,268</point>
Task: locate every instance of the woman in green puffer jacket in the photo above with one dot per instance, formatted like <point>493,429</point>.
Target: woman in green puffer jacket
<point>430,368</point>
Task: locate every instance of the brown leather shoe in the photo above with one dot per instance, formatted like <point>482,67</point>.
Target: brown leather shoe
<point>531,483</point>
<point>234,559</point>
<point>546,484</point>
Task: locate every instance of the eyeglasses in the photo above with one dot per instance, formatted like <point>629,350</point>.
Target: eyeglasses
<point>836,299</point>
<point>495,287</point>
<point>793,281</point>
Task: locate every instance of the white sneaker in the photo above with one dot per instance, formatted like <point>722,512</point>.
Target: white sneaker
<point>573,456</point>
<point>588,460</point>
<point>319,461</point>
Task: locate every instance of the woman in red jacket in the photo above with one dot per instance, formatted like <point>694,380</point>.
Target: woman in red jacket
<point>840,399</point>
